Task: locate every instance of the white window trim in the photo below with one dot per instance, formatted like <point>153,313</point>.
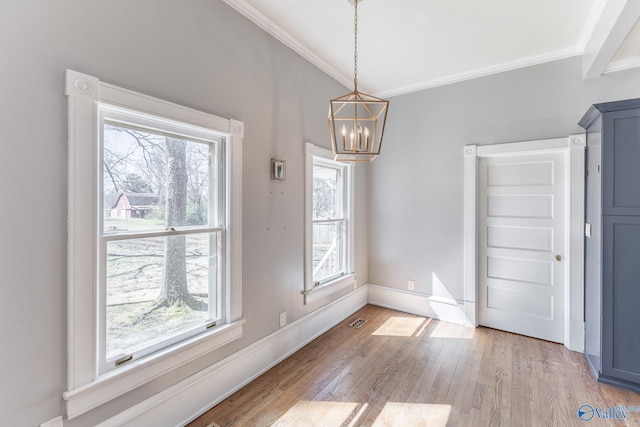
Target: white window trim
<point>120,117</point>
<point>86,389</point>
<point>311,292</point>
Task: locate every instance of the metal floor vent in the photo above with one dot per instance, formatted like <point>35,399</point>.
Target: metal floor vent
<point>357,323</point>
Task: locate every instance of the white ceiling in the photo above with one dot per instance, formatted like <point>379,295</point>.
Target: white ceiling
<point>409,45</point>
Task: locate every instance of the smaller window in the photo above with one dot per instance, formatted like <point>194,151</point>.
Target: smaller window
<point>330,222</point>
<point>329,228</point>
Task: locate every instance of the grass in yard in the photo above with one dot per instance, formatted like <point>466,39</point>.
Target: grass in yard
<point>134,279</point>
<point>130,325</point>
<point>132,224</point>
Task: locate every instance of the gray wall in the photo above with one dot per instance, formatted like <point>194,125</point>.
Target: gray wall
<point>204,55</point>
<point>416,202</point>
<point>199,53</point>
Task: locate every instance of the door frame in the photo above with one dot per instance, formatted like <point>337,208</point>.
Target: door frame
<point>574,148</point>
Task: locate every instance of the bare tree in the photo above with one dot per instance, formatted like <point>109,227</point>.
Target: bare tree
<point>134,183</point>
<point>116,165</point>
<point>172,169</point>
<point>197,184</point>
<point>174,287</point>
<point>323,199</point>
<point>144,157</point>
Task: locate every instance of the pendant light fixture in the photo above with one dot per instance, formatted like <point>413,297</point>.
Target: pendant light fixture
<point>357,120</point>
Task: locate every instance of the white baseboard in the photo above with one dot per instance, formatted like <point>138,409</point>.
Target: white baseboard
<point>185,401</point>
<point>447,309</point>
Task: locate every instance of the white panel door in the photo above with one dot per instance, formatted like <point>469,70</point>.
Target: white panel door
<point>521,244</point>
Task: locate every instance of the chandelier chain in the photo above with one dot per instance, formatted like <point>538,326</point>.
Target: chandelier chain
<point>355,50</point>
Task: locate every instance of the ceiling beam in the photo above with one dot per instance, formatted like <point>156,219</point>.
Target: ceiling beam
<point>616,22</point>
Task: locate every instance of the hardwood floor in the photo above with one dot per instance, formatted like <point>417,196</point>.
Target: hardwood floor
<point>404,370</point>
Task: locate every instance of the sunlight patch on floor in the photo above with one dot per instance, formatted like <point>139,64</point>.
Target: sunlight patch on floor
<point>451,330</point>
<point>318,413</point>
<point>401,326</point>
<point>413,414</point>
<point>361,411</point>
<point>423,327</point>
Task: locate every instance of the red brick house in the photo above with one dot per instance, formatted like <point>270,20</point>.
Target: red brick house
<point>133,205</point>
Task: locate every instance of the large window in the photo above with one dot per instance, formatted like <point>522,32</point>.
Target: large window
<point>329,213</point>
<point>159,250</point>
<point>154,238</point>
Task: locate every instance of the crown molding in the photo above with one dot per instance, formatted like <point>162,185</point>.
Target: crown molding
<point>483,72</point>
<point>623,64</point>
<point>251,13</point>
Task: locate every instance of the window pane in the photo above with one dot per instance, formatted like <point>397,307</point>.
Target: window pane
<point>326,192</point>
<point>153,180</point>
<point>328,250</point>
<point>157,288</point>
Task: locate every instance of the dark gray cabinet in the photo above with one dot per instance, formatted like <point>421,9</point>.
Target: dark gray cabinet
<point>612,245</point>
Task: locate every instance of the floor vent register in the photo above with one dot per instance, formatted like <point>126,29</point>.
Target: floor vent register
<point>357,323</point>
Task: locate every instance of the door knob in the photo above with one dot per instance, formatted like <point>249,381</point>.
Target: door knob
<point>558,257</point>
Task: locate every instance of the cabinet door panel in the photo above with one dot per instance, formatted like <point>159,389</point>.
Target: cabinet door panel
<point>621,160</point>
<point>621,298</point>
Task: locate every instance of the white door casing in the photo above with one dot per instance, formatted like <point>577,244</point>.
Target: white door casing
<point>573,147</point>
<point>521,244</point>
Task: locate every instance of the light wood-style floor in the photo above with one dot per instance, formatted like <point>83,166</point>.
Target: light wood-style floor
<point>404,370</point>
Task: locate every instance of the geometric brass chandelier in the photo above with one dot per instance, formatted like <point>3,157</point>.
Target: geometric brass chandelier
<point>357,120</point>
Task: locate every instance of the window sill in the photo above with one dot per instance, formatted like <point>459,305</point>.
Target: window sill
<point>120,381</point>
<point>329,288</point>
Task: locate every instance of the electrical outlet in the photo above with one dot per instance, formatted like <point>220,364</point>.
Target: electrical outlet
<point>411,285</point>
<point>283,318</point>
